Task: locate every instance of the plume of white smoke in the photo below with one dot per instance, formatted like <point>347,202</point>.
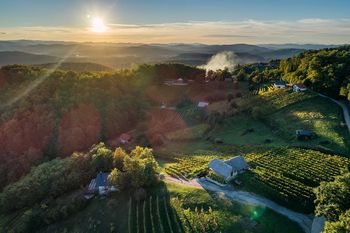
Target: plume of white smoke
<point>221,61</point>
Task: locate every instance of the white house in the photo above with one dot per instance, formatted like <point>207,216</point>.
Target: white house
<point>237,163</point>
<point>230,168</point>
<point>299,87</point>
<point>177,82</point>
<point>280,84</point>
<point>222,169</point>
<point>100,184</point>
<point>202,104</point>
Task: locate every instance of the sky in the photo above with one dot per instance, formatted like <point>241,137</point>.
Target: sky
<point>178,21</point>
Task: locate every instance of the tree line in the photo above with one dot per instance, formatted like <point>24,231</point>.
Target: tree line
<point>48,193</point>
<point>326,71</point>
<point>46,114</point>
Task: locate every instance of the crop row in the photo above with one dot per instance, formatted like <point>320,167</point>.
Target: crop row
<point>152,215</point>
<point>293,173</point>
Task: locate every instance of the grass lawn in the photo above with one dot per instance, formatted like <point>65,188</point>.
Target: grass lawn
<point>170,149</point>
<point>112,214</point>
<point>244,130</point>
<point>233,217</point>
<point>319,115</point>
<point>281,113</point>
<point>101,215</point>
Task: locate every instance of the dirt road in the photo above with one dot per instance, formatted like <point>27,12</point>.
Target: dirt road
<point>344,107</point>
<point>305,221</point>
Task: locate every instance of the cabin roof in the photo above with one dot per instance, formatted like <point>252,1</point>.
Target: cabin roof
<point>220,168</point>
<point>280,82</point>
<point>102,179</point>
<point>238,163</point>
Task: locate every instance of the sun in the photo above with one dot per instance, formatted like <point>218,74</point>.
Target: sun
<point>97,25</point>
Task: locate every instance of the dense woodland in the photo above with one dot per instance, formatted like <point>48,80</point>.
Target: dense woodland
<point>326,71</point>
<point>333,202</point>
<point>52,113</point>
<point>43,192</point>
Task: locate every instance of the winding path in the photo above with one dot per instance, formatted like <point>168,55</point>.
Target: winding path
<point>343,106</point>
<point>305,221</point>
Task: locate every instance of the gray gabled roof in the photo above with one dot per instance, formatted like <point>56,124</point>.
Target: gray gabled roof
<point>238,163</point>
<point>280,82</point>
<point>220,168</point>
<point>101,179</point>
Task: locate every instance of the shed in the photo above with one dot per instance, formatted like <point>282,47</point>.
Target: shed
<point>280,84</point>
<point>221,169</point>
<point>102,179</point>
<point>100,184</point>
<point>124,138</point>
<point>299,87</point>
<point>202,104</point>
<point>304,134</point>
<point>237,163</point>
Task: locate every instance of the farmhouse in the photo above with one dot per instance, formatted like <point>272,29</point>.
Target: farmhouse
<point>202,104</point>
<point>280,84</point>
<point>304,134</point>
<point>100,184</point>
<point>230,168</point>
<point>299,87</point>
<point>222,169</point>
<point>237,163</point>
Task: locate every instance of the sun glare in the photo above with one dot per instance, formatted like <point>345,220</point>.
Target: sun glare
<point>97,25</point>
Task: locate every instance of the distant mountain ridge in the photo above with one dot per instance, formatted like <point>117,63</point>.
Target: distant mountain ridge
<point>123,55</point>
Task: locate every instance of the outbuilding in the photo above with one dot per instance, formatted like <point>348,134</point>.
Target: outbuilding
<point>228,169</point>
<point>304,134</point>
<point>100,184</point>
<point>280,84</point>
<point>202,104</point>
<point>221,169</point>
<point>299,87</point>
<point>237,163</point>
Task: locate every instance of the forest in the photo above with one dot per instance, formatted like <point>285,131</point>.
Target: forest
<point>49,113</point>
<point>326,71</point>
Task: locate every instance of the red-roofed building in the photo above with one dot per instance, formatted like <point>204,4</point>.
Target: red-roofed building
<point>299,87</point>
<point>125,138</point>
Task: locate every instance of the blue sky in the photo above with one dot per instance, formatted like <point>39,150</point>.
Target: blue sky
<point>70,12</point>
<point>63,15</point>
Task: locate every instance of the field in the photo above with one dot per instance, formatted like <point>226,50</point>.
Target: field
<point>244,130</point>
<point>319,115</point>
<point>230,216</point>
<point>154,214</point>
<point>271,118</point>
<point>288,176</point>
<point>170,209</point>
<point>188,167</point>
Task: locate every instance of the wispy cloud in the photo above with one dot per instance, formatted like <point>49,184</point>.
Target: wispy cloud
<point>249,31</point>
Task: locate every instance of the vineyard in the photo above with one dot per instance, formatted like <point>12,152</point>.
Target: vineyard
<point>153,215</point>
<point>289,175</point>
<point>188,167</point>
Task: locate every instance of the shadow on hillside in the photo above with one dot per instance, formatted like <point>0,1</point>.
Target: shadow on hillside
<point>283,123</point>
